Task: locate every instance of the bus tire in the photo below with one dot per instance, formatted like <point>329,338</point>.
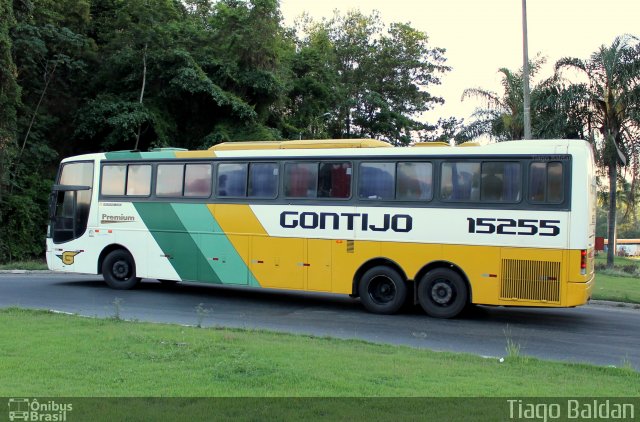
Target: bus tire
<point>119,270</point>
<point>382,290</point>
<point>442,293</point>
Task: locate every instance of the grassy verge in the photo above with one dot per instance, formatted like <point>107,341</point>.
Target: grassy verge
<point>619,289</point>
<point>24,265</point>
<point>621,283</point>
<point>46,354</point>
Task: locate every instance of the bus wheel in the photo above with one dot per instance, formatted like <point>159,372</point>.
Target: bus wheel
<point>119,270</point>
<point>442,293</point>
<point>382,290</point>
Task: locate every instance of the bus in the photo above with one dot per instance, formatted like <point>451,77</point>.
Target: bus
<point>505,224</point>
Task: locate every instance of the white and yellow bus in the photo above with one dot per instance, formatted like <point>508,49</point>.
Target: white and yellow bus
<point>507,224</point>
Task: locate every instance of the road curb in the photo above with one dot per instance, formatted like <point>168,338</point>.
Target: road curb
<point>613,304</point>
<point>27,272</point>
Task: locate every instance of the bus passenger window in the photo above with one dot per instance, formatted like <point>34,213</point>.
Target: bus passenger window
<point>414,182</point>
<point>169,180</point>
<point>334,180</point>
<point>263,180</point>
<point>377,181</point>
<point>460,181</point>
<point>232,179</point>
<point>501,182</point>
<point>546,182</point>
<point>139,180</point>
<point>197,180</point>
<point>300,180</point>
<point>113,177</point>
<point>555,185</point>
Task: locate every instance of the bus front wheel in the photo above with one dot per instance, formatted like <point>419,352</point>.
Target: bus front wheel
<point>119,270</point>
<point>442,293</point>
<point>382,290</point>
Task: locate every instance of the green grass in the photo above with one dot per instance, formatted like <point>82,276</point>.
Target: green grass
<point>45,354</point>
<point>619,289</point>
<point>620,283</point>
<point>24,265</point>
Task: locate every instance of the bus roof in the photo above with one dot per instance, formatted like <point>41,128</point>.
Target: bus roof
<point>301,144</point>
<point>348,147</point>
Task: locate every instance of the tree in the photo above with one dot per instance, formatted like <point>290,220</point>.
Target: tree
<point>502,117</point>
<point>372,80</point>
<point>613,90</point>
<point>9,96</point>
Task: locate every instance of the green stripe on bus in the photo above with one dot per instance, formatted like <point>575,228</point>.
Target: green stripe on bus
<point>221,255</point>
<point>170,233</point>
<point>199,248</point>
<point>135,155</point>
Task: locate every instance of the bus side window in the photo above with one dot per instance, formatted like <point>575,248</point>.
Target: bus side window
<point>169,179</point>
<point>501,182</point>
<point>139,180</point>
<point>334,180</point>
<point>376,181</point>
<point>555,184</point>
<point>232,179</point>
<point>414,181</point>
<point>460,181</point>
<point>113,177</point>
<point>546,182</point>
<point>197,180</point>
<point>263,180</point>
<point>300,180</point>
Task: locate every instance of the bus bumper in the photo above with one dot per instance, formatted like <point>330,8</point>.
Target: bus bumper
<point>579,293</point>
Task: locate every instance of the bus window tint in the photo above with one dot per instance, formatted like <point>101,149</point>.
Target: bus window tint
<point>139,180</point>
<point>334,180</point>
<point>232,179</point>
<point>555,191</point>
<point>460,181</point>
<point>77,174</point>
<point>113,178</point>
<point>537,177</point>
<point>414,182</point>
<point>169,180</point>
<point>376,181</point>
<point>546,182</point>
<point>501,182</point>
<point>263,180</point>
<point>197,180</point>
<point>300,180</point>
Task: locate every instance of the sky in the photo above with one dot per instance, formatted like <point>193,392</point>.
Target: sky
<point>482,36</point>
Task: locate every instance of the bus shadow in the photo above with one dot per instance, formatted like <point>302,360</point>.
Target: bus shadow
<point>256,298</point>
<point>234,295</point>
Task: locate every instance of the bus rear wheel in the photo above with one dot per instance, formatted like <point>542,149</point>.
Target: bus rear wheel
<point>119,270</point>
<point>442,293</point>
<point>382,290</point>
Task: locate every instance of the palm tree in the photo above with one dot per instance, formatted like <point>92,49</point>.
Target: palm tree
<point>613,91</point>
<point>502,118</point>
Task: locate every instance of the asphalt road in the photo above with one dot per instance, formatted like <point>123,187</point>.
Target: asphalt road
<point>603,335</point>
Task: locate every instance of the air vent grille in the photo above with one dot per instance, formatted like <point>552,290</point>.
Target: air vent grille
<point>530,280</point>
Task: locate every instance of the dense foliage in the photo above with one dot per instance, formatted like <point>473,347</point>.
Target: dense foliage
<point>82,76</point>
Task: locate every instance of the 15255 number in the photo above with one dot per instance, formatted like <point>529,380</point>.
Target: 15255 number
<point>520,227</point>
